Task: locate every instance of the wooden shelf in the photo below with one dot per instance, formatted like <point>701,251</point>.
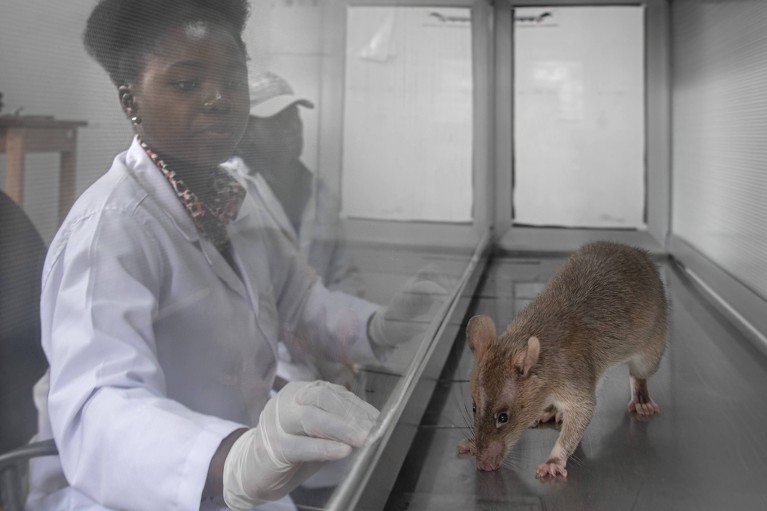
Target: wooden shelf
<point>22,135</point>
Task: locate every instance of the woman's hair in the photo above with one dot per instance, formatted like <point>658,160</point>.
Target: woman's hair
<point>120,33</point>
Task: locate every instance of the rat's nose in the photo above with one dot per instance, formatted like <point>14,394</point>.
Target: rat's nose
<point>487,465</point>
<point>490,456</point>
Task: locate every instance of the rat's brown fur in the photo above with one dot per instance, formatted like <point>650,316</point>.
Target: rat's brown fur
<point>606,305</point>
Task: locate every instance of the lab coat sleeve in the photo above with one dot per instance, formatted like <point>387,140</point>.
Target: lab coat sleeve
<point>328,251</point>
<point>341,273</point>
<point>341,322</point>
<point>333,323</point>
<point>122,442</point>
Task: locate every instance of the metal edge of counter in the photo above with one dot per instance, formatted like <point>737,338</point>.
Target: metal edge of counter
<point>740,304</point>
<point>375,467</point>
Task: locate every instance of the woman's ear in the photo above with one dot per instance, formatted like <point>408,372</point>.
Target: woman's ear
<point>127,100</point>
<point>129,104</point>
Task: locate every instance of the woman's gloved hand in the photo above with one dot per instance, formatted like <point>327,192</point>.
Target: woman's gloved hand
<point>304,425</point>
<point>411,310</point>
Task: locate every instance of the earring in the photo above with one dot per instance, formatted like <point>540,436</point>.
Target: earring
<point>136,120</point>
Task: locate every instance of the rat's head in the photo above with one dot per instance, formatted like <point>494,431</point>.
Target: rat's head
<point>506,391</point>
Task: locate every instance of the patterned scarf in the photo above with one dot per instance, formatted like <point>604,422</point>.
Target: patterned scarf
<point>212,213</point>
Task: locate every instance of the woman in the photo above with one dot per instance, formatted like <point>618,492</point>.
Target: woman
<point>166,287</point>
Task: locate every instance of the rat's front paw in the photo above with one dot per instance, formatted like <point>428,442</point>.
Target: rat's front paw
<point>467,447</point>
<point>550,469</point>
<point>644,408</point>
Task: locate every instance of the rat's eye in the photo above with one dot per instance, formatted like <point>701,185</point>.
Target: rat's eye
<point>502,418</point>
<point>473,408</point>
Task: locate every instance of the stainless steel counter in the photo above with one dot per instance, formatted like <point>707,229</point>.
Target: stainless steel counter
<point>707,450</point>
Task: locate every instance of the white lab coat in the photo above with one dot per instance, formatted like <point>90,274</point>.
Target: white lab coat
<point>157,349</point>
<point>321,243</point>
<point>321,239</point>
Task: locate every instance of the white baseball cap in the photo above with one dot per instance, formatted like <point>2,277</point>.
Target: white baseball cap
<point>270,94</point>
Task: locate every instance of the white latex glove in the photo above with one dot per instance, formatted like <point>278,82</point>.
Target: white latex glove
<point>410,311</point>
<point>304,425</point>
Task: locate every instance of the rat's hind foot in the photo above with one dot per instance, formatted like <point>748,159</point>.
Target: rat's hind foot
<point>467,447</point>
<point>550,413</point>
<point>550,469</point>
<point>640,403</point>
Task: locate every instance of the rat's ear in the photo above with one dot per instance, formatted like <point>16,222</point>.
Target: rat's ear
<point>480,334</point>
<point>524,360</point>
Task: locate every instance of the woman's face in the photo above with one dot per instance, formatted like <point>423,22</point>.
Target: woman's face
<point>192,97</point>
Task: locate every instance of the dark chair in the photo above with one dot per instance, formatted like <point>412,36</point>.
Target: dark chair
<point>22,361</point>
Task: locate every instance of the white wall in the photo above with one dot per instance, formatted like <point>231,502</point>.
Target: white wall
<point>719,133</point>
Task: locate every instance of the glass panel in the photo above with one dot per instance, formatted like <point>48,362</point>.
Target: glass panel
<point>153,318</point>
<point>579,146</point>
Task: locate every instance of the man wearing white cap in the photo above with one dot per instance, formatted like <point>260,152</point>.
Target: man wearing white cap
<point>306,211</point>
<point>304,207</point>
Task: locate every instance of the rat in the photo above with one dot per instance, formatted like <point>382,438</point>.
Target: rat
<point>606,305</point>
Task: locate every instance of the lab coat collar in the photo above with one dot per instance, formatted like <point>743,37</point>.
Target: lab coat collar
<point>244,211</point>
<point>152,180</point>
<point>157,187</point>
<point>275,209</point>
<point>256,185</point>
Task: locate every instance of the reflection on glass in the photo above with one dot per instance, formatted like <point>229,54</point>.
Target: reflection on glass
<point>201,277</point>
